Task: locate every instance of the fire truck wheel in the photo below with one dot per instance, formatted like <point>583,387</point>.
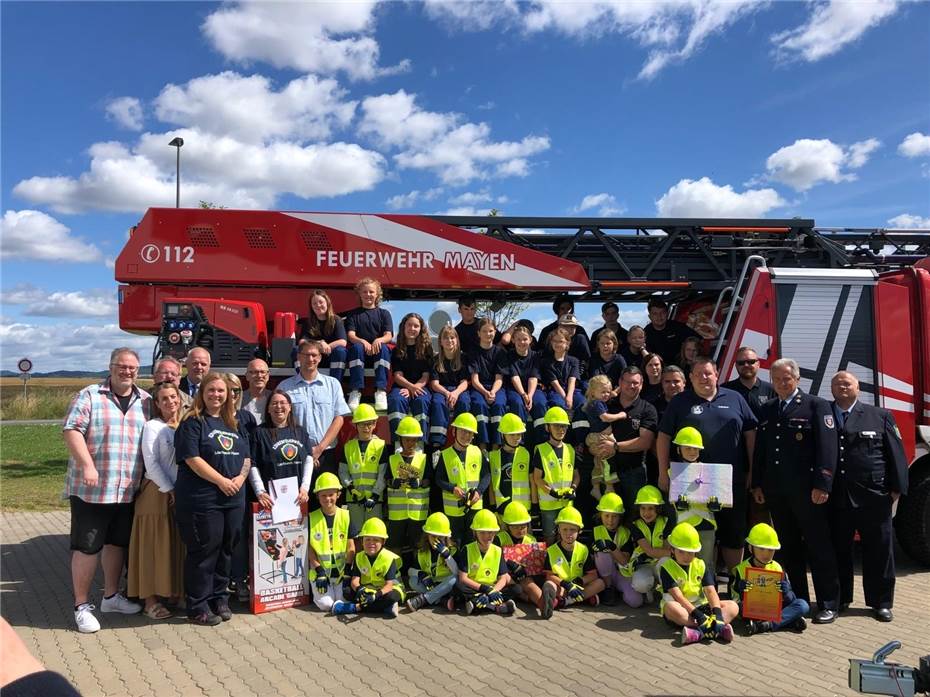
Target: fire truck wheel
<point>912,522</point>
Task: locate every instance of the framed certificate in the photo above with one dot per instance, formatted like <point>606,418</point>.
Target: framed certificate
<point>763,599</point>
<point>697,482</point>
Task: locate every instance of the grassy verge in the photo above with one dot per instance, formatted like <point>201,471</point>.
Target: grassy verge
<point>46,398</point>
<point>33,461</point>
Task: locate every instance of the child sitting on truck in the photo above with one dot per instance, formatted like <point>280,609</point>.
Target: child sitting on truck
<point>369,329</point>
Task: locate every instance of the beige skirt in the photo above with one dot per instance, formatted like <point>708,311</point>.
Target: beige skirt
<point>156,553</point>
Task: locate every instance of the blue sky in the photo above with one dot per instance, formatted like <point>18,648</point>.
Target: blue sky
<point>814,109</point>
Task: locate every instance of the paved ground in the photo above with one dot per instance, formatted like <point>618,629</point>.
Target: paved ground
<point>584,651</point>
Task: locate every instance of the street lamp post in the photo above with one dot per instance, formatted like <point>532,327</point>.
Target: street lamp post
<point>177,143</point>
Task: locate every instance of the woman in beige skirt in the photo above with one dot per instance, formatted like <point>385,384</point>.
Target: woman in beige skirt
<point>156,553</point>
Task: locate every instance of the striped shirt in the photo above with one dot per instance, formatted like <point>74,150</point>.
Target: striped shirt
<point>113,440</point>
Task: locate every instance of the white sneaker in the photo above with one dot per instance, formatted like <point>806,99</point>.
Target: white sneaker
<point>355,398</point>
<point>380,400</point>
<point>85,620</point>
<point>119,603</point>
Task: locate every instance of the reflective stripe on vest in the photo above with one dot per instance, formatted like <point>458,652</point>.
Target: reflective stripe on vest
<point>436,568</point>
<point>565,569</point>
<point>519,476</point>
<point>373,572</point>
<point>556,474</point>
<point>363,469</point>
<point>690,581</point>
<point>483,568</point>
<point>466,476</point>
<point>406,503</point>
<point>504,539</point>
<point>329,544</point>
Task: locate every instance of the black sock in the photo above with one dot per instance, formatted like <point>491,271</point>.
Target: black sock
<point>107,597</point>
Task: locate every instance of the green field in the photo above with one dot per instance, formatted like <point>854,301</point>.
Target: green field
<point>46,398</point>
<point>33,461</point>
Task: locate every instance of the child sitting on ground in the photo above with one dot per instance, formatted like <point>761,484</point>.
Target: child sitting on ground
<point>331,551</point>
<point>483,574</point>
<point>376,583</point>
<point>612,548</point>
<point>517,532</point>
<point>571,576</point>
<point>648,537</point>
<point>435,572</point>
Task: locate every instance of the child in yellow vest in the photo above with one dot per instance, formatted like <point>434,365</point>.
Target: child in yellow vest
<point>463,474</point>
<point>554,472</point>
<point>647,534</point>
<point>409,474</point>
<point>434,574</point>
<point>362,468</point>
<point>612,548</point>
<point>510,466</point>
<point>689,598</point>
<point>516,531</point>
<point>700,515</point>
<point>331,550</point>
<point>571,574</point>
<point>375,582</point>
<point>763,543</point>
<point>483,575</point>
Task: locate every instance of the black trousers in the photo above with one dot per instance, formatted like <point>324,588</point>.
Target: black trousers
<point>403,535</point>
<point>875,534</point>
<point>804,532</point>
<point>383,603</point>
<point>210,537</point>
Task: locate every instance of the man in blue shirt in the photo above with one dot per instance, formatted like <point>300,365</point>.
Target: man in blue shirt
<point>318,404</point>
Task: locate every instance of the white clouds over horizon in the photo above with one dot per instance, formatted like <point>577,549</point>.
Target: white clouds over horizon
<point>807,162</point>
<point>704,198</point>
<point>34,235</point>
<point>906,221</point>
<point>38,302</point>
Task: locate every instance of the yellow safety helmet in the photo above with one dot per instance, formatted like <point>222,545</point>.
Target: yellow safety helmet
<point>327,481</point>
<point>409,427</point>
<point>649,496</point>
<point>485,521</point>
<point>556,416</point>
<point>466,422</point>
<point>437,524</point>
<point>570,516</point>
<point>511,423</point>
<point>763,535</point>
<point>515,513</point>
<point>363,413</point>
<point>610,503</point>
<point>685,538</point>
<point>374,527</point>
<point>690,437</point>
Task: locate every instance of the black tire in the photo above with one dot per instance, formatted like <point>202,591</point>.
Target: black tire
<point>912,523</point>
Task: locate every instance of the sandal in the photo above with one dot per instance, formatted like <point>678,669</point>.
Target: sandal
<point>158,612</point>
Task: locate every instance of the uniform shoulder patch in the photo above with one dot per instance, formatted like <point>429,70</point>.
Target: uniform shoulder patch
<point>828,421</point>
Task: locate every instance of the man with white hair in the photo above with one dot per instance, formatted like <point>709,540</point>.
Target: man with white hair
<point>795,458</point>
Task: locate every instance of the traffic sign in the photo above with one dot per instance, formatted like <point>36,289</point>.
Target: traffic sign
<point>24,365</point>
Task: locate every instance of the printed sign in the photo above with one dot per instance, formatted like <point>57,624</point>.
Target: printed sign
<point>532,556</point>
<point>697,482</point>
<point>762,601</point>
<point>279,562</point>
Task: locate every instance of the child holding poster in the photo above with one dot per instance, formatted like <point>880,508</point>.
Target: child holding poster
<point>376,583</point>
<point>689,598</point>
<point>763,543</point>
<point>516,531</point>
<point>434,572</point>
<point>699,515</point>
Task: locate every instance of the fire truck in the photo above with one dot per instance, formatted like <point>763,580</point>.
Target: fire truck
<point>235,282</point>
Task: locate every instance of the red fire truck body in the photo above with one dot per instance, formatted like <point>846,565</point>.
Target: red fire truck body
<point>236,281</point>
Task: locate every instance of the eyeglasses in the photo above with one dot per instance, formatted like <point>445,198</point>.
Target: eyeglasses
<point>125,368</point>
<point>748,361</point>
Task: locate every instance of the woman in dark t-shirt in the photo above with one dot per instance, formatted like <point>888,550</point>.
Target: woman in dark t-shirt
<point>325,326</point>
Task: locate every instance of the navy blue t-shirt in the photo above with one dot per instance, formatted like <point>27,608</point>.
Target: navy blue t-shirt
<point>448,378</point>
<point>280,452</point>
<point>487,364</point>
<point>468,337</point>
<point>369,324</point>
<point>524,367</point>
<point>318,330</point>
<point>612,367</point>
<point>552,369</point>
<point>593,409</point>
<point>721,421</point>
<point>411,366</point>
<point>223,448</point>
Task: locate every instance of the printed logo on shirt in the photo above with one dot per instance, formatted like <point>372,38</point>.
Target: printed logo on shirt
<point>697,409</point>
<point>226,442</point>
<point>635,423</point>
<point>289,451</point>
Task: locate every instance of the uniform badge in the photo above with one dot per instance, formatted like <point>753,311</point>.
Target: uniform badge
<point>289,451</point>
<point>226,442</point>
<point>475,565</point>
<point>828,421</point>
<point>487,572</point>
<point>455,470</point>
<point>697,409</point>
<point>356,467</point>
<point>635,424</point>
<point>318,536</point>
<point>799,436</point>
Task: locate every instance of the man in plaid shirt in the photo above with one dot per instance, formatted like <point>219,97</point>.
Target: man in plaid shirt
<point>103,432</point>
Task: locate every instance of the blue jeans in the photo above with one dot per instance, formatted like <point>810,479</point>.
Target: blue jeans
<point>440,591</point>
<point>790,612</point>
<point>359,360</point>
<point>439,417</point>
<point>536,429</point>
<point>399,406</point>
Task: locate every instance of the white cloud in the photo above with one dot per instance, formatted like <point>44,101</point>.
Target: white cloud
<point>471,198</point>
<point>28,234</point>
<point>807,162</point>
<point>313,37</point>
<point>915,145</point>
<point>606,205</point>
<point>58,346</point>
<point>457,152</point>
<point>213,168</point>
<point>905,221</point>
<point>831,26</point>
<point>249,109</point>
<point>126,111</point>
<point>703,198</point>
<point>40,303</point>
<point>466,211</point>
<point>410,198</point>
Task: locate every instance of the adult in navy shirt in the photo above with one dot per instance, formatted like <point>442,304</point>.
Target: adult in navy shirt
<point>606,360</point>
<point>281,449</point>
<point>610,313</point>
<point>755,390</point>
<point>562,305</point>
<point>467,329</point>
<point>369,329</point>
<point>663,335</point>
<point>325,326</point>
<point>213,454</point>
<point>728,428</point>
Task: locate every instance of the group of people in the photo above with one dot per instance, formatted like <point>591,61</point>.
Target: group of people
<point>494,433</point>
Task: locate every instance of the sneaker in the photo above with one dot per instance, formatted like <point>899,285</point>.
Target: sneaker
<point>508,607</point>
<point>221,610</point>
<point>243,594</point>
<point>341,607</point>
<point>391,612</point>
<point>726,634</point>
<point>380,400</point>
<point>759,627</point>
<point>609,597</point>
<point>469,607</point>
<point>417,601</point>
<point>690,635</point>
<point>650,597</point>
<point>593,601</point>
<point>119,603</point>
<point>206,619</point>
<point>799,625</point>
<point>355,398</point>
<point>548,601</point>
<point>85,620</point>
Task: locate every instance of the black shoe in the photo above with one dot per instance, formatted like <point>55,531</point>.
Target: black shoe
<point>222,610</point>
<point>883,614</point>
<point>207,619</point>
<point>799,625</point>
<point>609,597</point>
<point>825,617</point>
<point>759,627</point>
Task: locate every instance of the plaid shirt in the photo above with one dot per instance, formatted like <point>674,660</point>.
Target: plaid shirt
<point>113,440</point>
